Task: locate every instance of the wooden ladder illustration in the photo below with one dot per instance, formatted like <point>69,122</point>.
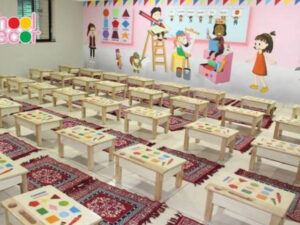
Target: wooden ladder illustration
<point>158,51</point>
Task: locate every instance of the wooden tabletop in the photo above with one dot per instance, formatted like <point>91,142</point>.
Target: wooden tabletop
<point>38,117</point>
<point>212,129</point>
<point>111,83</point>
<point>6,103</point>
<point>42,85</point>
<point>40,70</point>
<point>20,80</point>
<point>115,74</point>
<point>259,195</point>
<point>150,158</point>
<point>63,74</point>
<point>69,67</point>
<point>210,91</point>
<point>86,79</point>
<point>260,100</point>
<point>175,85</point>
<point>152,113</point>
<point>85,135</point>
<point>296,106</point>
<point>139,78</point>
<point>100,101</point>
<point>287,120</point>
<point>277,145</point>
<point>90,70</point>
<point>69,91</point>
<point>6,76</point>
<point>242,111</point>
<point>145,90</point>
<point>10,168</point>
<point>189,100</point>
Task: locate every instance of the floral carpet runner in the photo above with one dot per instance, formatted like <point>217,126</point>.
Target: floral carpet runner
<point>243,142</point>
<point>196,169</point>
<point>14,147</point>
<point>294,210</point>
<point>180,219</point>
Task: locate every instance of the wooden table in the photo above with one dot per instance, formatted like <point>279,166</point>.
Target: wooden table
<point>39,73</point>
<point>47,206</point>
<point>87,82</point>
<point>259,103</point>
<point>19,82</point>
<point>87,139</point>
<point>211,94</point>
<point>232,113</point>
<point>36,120</point>
<point>286,124</point>
<point>111,87</point>
<point>8,107</point>
<point>69,95</point>
<point>249,198</point>
<point>148,116</point>
<point>118,77</point>
<point>93,73</point>
<point>12,173</point>
<point>61,77</point>
<point>101,105</point>
<point>3,80</point>
<point>41,89</point>
<point>185,102</point>
<point>150,163</point>
<point>296,111</point>
<point>140,81</point>
<point>214,134</point>
<point>276,150</point>
<point>145,93</point>
<point>69,69</point>
<point>179,89</point>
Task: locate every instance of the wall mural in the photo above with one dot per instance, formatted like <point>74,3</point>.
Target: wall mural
<point>91,34</point>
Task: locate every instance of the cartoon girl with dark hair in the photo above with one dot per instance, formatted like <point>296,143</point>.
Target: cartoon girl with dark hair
<point>91,33</point>
<point>220,32</point>
<point>263,43</point>
<point>158,30</point>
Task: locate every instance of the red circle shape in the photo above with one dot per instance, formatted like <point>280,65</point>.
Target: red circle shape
<point>14,23</point>
<point>106,12</point>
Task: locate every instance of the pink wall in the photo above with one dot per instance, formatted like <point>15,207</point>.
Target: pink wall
<point>283,19</point>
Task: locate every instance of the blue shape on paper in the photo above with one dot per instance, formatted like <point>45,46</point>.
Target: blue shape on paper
<point>106,23</point>
<point>125,24</point>
<point>63,214</point>
<point>8,165</point>
<point>74,209</point>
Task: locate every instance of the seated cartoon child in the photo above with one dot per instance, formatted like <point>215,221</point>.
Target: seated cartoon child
<point>220,32</point>
<point>156,29</point>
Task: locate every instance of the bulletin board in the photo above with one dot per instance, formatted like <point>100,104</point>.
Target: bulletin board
<point>116,25</point>
<point>203,18</point>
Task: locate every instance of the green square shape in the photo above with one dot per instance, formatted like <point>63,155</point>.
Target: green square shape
<point>42,211</point>
<point>115,12</point>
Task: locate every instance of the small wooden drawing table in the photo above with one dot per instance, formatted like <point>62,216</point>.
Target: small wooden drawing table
<point>69,69</point>
<point>41,89</point>
<point>39,73</point>
<point>285,124</point>
<point>296,111</point>
<point>145,93</point>
<point>102,105</point>
<point>179,89</point>
<point>211,94</point>
<point>111,87</point>
<point>8,107</point>
<point>140,81</point>
<point>93,73</point>
<point>84,138</point>
<point>185,102</point>
<point>36,120</point>
<point>151,163</point>
<point>12,173</point>
<point>148,116</point>
<point>69,95</point>
<point>48,206</point>
<point>61,77</point>
<point>3,80</point>
<point>249,198</point>
<point>118,77</point>
<point>19,82</point>
<point>214,134</point>
<point>276,150</point>
<point>87,82</point>
<point>247,116</point>
<point>260,103</point>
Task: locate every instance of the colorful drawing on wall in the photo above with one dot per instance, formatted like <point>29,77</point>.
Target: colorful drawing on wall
<point>91,33</point>
<point>119,59</point>
<point>263,44</point>
<point>237,19</point>
<point>117,25</point>
<point>136,62</point>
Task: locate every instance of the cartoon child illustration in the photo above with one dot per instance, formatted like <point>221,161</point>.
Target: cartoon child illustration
<point>158,30</point>
<point>263,44</point>
<point>91,33</point>
<point>119,59</point>
<point>136,62</point>
<point>220,32</point>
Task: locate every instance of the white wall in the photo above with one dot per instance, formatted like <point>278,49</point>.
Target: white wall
<point>67,30</point>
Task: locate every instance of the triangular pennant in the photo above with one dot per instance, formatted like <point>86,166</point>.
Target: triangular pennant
<point>105,2</point>
<point>83,4</point>
<point>195,2</point>
<point>156,2</point>
<point>145,2</point>
<point>287,1</point>
<point>134,2</point>
<point>163,1</point>
<point>88,3</point>
<point>258,1</point>
<point>124,2</point>
<point>250,1</point>
<point>277,1</point>
<point>152,2</point>
<point>268,1</point>
<point>188,2</point>
<point>241,2</point>
<point>224,2</point>
<point>181,2</point>
<point>209,2</point>
<point>296,2</point>
<point>169,1</point>
<point>232,2</point>
<point>175,1</point>
<point>115,2</point>
<point>202,2</point>
<point>217,2</point>
<point>140,1</point>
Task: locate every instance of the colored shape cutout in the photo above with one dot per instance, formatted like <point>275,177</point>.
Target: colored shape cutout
<point>105,34</point>
<point>106,22</point>
<point>115,12</point>
<point>262,197</point>
<point>125,35</point>
<point>52,219</point>
<point>115,35</point>
<point>74,209</point>
<point>55,197</point>
<point>63,203</point>
<point>42,211</point>
<point>53,207</point>
<point>63,214</point>
<point>125,24</point>
<point>233,186</point>
<point>115,23</point>
<point>126,14</point>
<point>106,12</point>
<point>33,204</point>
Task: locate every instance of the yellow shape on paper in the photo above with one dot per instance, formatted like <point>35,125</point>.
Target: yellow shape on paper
<point>45,200</point>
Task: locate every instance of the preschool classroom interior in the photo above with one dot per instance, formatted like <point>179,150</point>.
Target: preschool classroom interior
<point>163,112</point>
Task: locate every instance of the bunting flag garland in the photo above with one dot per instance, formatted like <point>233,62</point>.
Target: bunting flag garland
<point>175,2</point>
<point>277,1</point>
<point>241,2</point>
<point>134,2</point>
<point>258,1</point>
<point>268,1</point>
<point>156,2</point>
<point>296,2</point>
<point>124,2</point>
<point>115,2</point>
<point>188,2</point>
<point>287,1</point>
<point>140,2</point>
<point>169,1</point>
<point>145,2</point>
<point>209,2</point>
<point>151,2</point>
<point>232,2</point>
<point>195,2</point>
<point>181,2</point>
<point>224,2</point>
<point>217,2</point>
<point>202,2</point>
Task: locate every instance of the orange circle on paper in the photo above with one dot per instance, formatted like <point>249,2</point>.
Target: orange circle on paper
<point>105,12</point>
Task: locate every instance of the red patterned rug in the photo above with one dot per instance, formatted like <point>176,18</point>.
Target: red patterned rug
<point>72,122</point>
<point>123,107</point>
<point>196,169</point>
<point>54,112</point>
<point>115,205</point>
<point>124,140</point>
<point>243,142</point>
<point>178,123</point>
<point>294,210</point>
<point>14,147</point>
<point>45,171</point>
<point>180,219</point>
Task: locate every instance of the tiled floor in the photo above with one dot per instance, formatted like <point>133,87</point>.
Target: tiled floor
<point>189,199</point>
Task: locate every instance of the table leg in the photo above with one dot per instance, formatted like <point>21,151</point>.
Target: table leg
<point>167,125</point>
<point>119,113</point>
<point>96,91</point>
<point>223,149</point>
<point>253,128</point>
<point>253,158</point>
<point>104,115</point>
<point>205,112</point>
<point>70,106</point>
<point>223,119</point>
<point>90,158</point>
<point>276,220</point>
<point>54,101</point>
<point>113,94</point>
<point>125,92</point>
<point>158,186</point>
<point>172,107</point>
<point>83,112</point>
<point>179,177</point>
<point>154,129</point>
<point>209,206</point>
<point>118,172</point>
<point>130,99</point>
<point>24,185</point>
<point>6,217</point>
<point>51,80</point>
<point>112,150</point>
<point>62,82</point>
<point>151,102</point>
<point>61,152</point>
<point>29,93</point>
<point>217,100</point>
<point>87,87</point>
<point>196,113</point>
<point>38,134</point>
<point>40,96</point>
<point>20,89</point>
<point>18,128</point>
<point>294,114</point>
<point>8,88</point>
<point>186,140</point>
<point>41,78</point>
<point>276,130</point>
<point>298,176</point>
<point>231,145</point>
<point>161,101</point>
<point>126,124</point>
